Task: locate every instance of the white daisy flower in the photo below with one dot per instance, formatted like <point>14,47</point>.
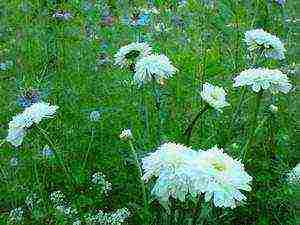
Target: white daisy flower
<point>33,114</point>
<point>170,164</point>
<point>294,175</point>
<point>263,79</point>
<point>130,53</point>
<point>220,177</point>
<point>40,110</point>
<point>168,157</point>
<point>268,44</point>
<point>214,96</point>
<point>156,67</point>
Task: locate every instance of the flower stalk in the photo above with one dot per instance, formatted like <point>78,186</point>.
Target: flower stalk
<point>137,165</point>
<point>189,130</point>
<point>254,124</point>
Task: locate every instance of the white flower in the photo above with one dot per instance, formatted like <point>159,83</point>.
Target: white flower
<point>156,67</point>
<point>170,164</point>
<point>294,175</point>
<point>261,78</point>
<point>168,157</point>
<point>40,110</point>
<point>131,52</point>
<point>268,44</point>
<point>273,108</point>
<point>214,96</point>
<point>126,134</point>
<point>33,114</point>
<point>220,177</point>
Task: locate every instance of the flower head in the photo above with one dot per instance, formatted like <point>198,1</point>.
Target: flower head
<point>214,96</point>
<point>294,175</point>
<point>157,67</point>
<point>33,114</point>
<point>220,177</point>
<point>126,134</point>
<point>258,79</point>
<point>130,53</point>
<point>269,45</point>
<point>168,157</point>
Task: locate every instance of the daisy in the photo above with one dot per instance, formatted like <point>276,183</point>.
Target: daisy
<point>220,177</point>
<point>270,45</point>
<point>263,79</point>
<point>157,67</point>
<point>214,96</point>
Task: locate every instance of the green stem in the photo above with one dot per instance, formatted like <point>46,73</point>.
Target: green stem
<point>236,112</point>
<point>156,94</point>
<point>88,151</point>
<point>189,130</point>
<point>70,177</point>
<point>137,165</point>
<point>254,125</point>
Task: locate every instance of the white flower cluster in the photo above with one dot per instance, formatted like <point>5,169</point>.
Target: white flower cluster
<point>16,216</point>
<point>115,218</point>
<point>131,52</point>
<point>126,134</point>
<point>181,171</point>
<point>157,67</point>
<point>99,180</point>
<point>294,175</point>
<point>261,78</point>
<point>147,66</point>
<point>214,96</point>
<point>33,114</point>
<point>61,205</point>
<point>269,45</point>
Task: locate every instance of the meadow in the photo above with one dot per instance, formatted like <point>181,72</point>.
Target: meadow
<point>99,146</point>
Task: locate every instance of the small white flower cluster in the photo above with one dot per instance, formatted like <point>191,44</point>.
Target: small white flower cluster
<point>32,201</point>
<point>269,45</point>
<point>263,79</point>
<point>99,180</point>
<point>181,171</point>
<point>115,218</point>
<point>131,52</point>
<point>33,114</point>
<point>293,176</point>
<point>61,205</point>
<point>148,66</point>
<point>16,216</point>
<point>214,96</point>
<point>126,134</point>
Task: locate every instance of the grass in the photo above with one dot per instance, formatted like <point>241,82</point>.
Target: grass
<point>59,59</point>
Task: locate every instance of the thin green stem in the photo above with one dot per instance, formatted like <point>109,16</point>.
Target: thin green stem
<point>189,130</point>
<point>156,94</point>
<point>137,164</point>
<point>236,112</point>
<point>88,150</point>
<point>70,177</point>
<point>254,125</point>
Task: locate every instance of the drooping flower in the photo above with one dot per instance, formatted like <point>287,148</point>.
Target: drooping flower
<point>294,175</point>
<point>157,67</point>
<point>33,114</point>
<point>265,43</point>
<point>128,54</point>
<point>214,96</point>
<point>263,79</point>
<point>220,177</point>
